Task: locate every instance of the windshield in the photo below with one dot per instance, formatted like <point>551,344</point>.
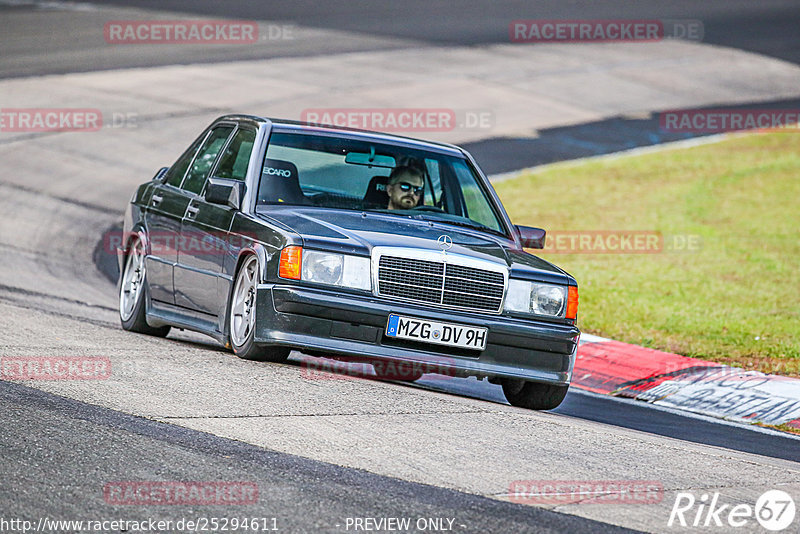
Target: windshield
<point>331,172</point>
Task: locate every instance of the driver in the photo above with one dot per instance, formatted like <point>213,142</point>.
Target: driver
<point>405,188</point>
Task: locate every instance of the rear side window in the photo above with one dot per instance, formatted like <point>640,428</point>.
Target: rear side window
<point>233,163</point>
<point>174,175</point>
<point>198,172</point>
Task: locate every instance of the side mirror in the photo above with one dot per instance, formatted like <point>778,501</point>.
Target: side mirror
<point>531,237</point>
<point>225,192</point>
<point>159,177</point>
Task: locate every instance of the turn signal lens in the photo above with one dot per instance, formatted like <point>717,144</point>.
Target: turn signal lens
<point>291,262</point>
<point>572,303</point>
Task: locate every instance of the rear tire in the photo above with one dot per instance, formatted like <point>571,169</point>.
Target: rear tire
<point>533,395</point>
<point>133,293</point>
<point>242,317</point>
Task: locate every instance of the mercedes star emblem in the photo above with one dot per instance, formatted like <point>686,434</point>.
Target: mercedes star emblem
<point>445,242</point>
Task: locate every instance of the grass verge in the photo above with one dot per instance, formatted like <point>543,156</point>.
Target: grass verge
<point>733,297</point>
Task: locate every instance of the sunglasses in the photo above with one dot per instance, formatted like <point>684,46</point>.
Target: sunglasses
<point>406,187</point>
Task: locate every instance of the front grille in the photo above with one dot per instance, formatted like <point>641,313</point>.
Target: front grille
<point>444,284</point>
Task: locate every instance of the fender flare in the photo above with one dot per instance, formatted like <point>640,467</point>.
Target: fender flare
<point>259,251</point>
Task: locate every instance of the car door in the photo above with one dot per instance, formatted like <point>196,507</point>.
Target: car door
<point>163,215</point>
<point>233,165</point>
<point>203,224</point>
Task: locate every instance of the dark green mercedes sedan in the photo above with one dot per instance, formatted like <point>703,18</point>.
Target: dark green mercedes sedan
<point>271,235</point>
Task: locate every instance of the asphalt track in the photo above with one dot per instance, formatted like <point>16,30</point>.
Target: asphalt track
<point>767,27</point>
<point>36,43</point>
<point>61,451</point>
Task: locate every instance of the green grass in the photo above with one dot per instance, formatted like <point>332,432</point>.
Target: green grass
<point>736,299</point>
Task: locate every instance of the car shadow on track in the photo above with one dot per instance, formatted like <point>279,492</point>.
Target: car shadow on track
<point>619,412</point>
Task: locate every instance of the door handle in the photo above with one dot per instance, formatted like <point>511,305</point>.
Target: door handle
<point>191,211</point>
<point>157,200</point>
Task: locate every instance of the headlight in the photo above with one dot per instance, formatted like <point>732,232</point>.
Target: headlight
<point>548,300</point>
<point>325,268</point>
<point>542,299</point>
<point>322,268</point>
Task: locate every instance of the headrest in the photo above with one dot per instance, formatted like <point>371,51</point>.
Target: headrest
<point>279,169</point>
<point>378,183</point>
<point>375,196</point>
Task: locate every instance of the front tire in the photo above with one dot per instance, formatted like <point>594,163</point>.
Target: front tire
<point>533,395</point>
<point>133,293</point>
<point>242,317</point>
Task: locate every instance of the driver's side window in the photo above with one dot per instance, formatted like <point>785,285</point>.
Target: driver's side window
<point>234,161</point>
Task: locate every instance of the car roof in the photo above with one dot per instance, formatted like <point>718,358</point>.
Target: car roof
<point>288,125</point>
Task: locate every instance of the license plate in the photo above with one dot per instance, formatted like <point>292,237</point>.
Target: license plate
<point>452,335</point>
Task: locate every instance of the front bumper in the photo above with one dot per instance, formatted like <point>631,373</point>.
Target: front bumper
<point>331,322</point>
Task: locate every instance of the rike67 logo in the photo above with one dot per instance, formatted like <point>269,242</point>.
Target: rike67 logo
<point>774,511</point>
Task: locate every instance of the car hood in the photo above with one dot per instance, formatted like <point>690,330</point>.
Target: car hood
<point>355,232</point>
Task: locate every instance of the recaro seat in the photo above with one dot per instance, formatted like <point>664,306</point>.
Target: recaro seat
<point>376,197</point>
<point>280,183</point>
